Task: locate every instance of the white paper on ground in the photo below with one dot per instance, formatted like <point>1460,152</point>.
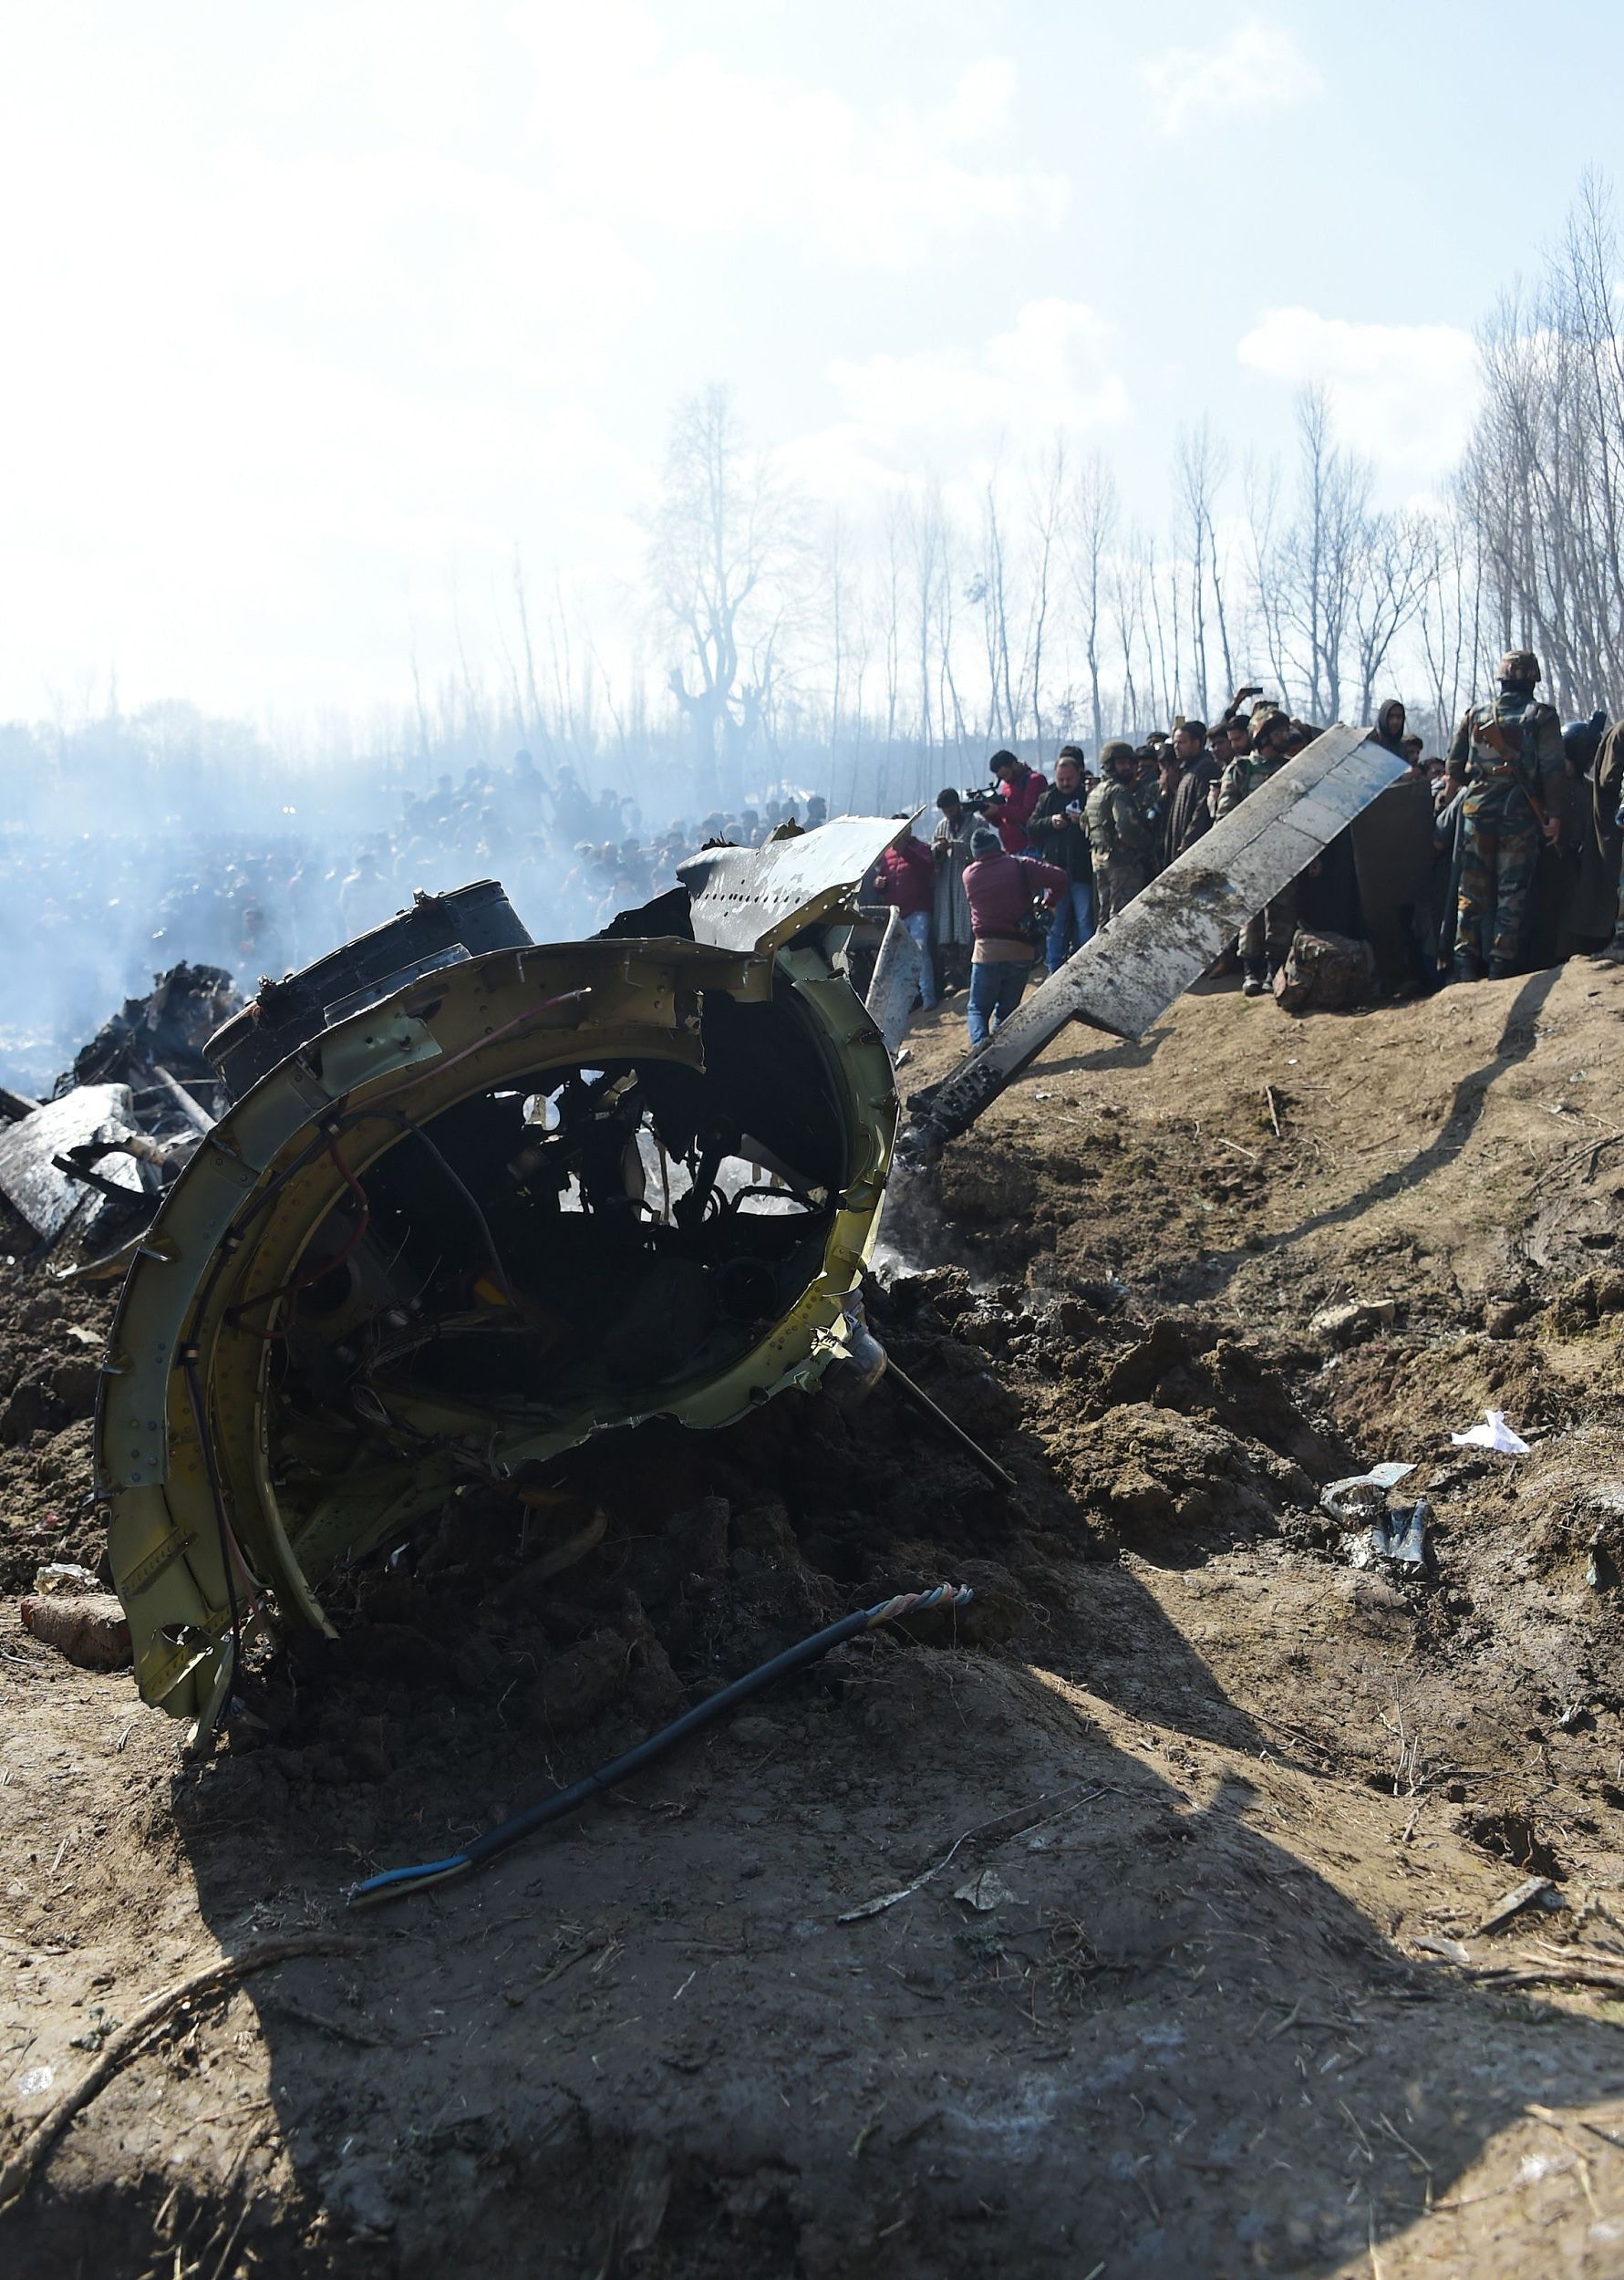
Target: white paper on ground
<point>1492,1433</point>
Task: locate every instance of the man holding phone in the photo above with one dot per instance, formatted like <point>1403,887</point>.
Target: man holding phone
<point>1059,831</point>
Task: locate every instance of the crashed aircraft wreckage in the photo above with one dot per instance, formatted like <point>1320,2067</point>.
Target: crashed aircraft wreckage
<point>475,1199</point>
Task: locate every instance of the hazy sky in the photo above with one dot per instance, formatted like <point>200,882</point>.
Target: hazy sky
<point>314,312</point>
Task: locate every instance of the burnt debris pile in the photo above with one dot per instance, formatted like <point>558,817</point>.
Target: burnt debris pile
<point>87,1169</point>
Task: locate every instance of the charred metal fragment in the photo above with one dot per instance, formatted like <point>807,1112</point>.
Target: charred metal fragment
<point>517,1196</point>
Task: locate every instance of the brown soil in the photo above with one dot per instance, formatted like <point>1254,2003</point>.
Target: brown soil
<point>1237,1808</point>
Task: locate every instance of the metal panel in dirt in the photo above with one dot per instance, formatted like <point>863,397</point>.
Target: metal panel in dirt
<point>29,1180</point>
<point>895,984</point>
<point>1132,970</point>
<point>755,898</point>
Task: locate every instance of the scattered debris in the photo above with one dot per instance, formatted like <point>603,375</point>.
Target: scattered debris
<point>92,1162</point>
<point>972,1448</point>
<point>895,983</point>
<point>1435,1943</point>
<point>170,1026</point>
<point>1362,1493</point>
<point>1533,1891</point>
<point>1036,1816</point>
<point>1353,1322</point>
<point>1382,1530</point>
<point>1398,1534</point>
<point>64,1575</point>
<point>1492,1433</point>
<point>985,1892</point>
<point>46,1196</point>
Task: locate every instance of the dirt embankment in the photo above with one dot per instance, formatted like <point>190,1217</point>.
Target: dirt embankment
<point>1197,1822</point>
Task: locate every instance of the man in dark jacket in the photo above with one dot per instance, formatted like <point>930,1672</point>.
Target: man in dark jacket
<point>1059,831</point>
<point>1389,727</point>
<point>1189,771</point>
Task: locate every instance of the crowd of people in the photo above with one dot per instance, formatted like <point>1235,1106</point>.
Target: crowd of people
<point>1019,875</point>
<point>1015,877</point>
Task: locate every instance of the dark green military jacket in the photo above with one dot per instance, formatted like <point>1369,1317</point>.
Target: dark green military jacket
<point>1241,777</point>
<point>1514,743</point>
<point>1118,831</point>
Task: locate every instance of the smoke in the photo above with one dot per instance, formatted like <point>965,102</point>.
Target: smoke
<point>132,842</point>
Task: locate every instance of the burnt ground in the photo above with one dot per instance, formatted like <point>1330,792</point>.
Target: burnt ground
<point>1234,1809</point>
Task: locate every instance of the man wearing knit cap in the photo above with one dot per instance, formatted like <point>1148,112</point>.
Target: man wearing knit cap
<point>1001,889</point>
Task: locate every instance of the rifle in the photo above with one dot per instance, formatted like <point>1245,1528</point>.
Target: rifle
<point>1496,735</point>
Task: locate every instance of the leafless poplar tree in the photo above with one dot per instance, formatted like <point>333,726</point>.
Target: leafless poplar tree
<point>1092,523</point>
<point>1543,478</point>
<point>726,549</point>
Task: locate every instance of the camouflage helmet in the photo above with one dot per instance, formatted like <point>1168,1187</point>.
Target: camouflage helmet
<point>1520,666</point>
<point>1268,718</point>
<point>1117,749</point>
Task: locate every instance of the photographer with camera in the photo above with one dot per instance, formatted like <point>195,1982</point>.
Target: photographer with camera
<point>1059,831</point>
<point>1010,806</point>
<point>1002,889</point>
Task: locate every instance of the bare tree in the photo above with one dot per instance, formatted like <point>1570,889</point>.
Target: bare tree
<point>1048,514</point>
<point>1091,528</point>
<point>1394,555</point>
<point>1200,467</point>
<point>1543,477</point>
<point>726,548</point>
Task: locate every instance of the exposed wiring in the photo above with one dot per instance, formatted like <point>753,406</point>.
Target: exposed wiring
<point>395,1883</point>
<point>503,1281</point>
<point>308,1277</point>
<point>228,1553</point>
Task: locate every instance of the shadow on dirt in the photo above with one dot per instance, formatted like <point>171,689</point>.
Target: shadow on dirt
<point>1518,1040</point>
<point>932,1962</point>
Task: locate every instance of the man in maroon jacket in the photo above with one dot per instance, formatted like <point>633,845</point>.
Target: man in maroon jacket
<point>905,878</point>
<point>1010,807</point>
<point>1001,888</point>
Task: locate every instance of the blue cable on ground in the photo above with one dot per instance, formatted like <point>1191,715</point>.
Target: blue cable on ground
<point>395,1883</point>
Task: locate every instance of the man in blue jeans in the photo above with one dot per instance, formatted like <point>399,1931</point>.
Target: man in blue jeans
<point>1001,889</point>
<point>1060,833</point>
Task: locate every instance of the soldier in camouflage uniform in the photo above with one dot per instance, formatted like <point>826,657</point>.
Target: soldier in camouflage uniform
<point>1513,754</point>
<point>1123,840</point>
<point>1266,936</point>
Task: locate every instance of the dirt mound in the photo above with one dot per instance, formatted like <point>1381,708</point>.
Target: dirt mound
<point>939,1958</point>
<point>52,1337</point>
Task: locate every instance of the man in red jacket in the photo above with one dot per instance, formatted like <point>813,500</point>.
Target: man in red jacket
<point>1010,808</point>
<point>905,878</point>
<point>1001,888</point>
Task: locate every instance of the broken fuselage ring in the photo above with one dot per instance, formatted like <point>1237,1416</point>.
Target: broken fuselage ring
<point>530,1196</point>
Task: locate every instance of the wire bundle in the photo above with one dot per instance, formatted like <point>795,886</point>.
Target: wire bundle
<point>395,1883</point>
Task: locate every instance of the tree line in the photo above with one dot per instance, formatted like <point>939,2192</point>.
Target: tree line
<point>776,645</point>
